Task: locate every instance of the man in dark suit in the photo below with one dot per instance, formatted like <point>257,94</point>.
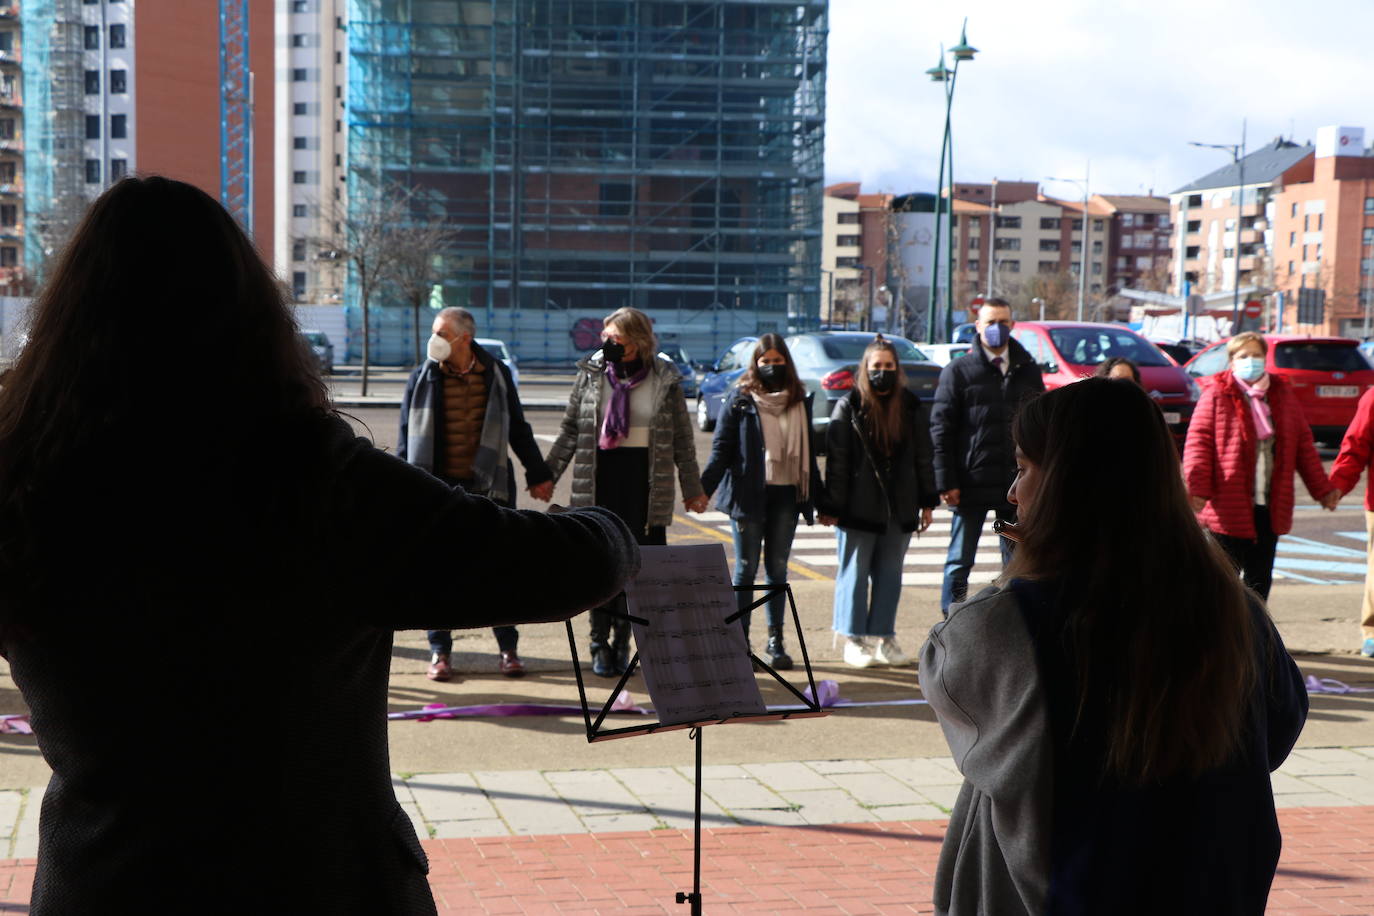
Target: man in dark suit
<point>970,425</point>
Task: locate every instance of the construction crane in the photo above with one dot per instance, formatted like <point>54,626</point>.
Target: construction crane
<point>235,113</point>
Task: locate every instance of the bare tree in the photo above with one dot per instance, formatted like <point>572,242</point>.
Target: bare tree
<point>1058,289</point>
<point>366,234</point>
<point>53,226</point>
<point>417,264</point>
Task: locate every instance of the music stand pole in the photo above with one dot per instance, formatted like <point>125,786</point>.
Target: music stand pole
<point>694,898</point>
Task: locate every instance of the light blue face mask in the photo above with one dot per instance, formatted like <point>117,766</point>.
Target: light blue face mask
<point>1248,368</point>
<point>995,336</point>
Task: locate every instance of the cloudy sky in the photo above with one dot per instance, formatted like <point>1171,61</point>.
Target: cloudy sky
<point>1123,83</point>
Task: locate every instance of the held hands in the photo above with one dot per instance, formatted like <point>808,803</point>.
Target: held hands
<point>951,498</point>
<point>542,491</point>
<point>696,503</point>
<point>1331,499</point>
<point>927,516</point>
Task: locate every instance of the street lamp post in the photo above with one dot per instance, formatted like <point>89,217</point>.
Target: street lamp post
<point>1084,248</point>
<point>1237,151</point>
<point>948,76</point>
<point>867,323</point>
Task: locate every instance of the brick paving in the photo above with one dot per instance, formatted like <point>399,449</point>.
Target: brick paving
<point>873,867</point>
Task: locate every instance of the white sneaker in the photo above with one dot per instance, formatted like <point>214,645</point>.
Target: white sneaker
<point>857,652</point>
<point>889,653</point>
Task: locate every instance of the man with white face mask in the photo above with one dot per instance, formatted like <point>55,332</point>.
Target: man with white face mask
<point>970,425</point>
<point>460,416</point>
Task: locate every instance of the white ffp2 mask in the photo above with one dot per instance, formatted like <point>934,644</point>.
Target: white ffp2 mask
<point>438,349</point>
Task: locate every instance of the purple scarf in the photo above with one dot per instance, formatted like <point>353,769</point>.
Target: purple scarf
<point>616,424</point>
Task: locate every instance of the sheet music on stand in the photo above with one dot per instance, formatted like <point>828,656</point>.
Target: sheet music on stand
<point>696,666</point>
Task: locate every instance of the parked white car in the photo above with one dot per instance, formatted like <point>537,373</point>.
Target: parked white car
<point>944,354</point>
<point>498,349</point>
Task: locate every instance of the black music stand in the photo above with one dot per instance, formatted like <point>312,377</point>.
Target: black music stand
<point>809,709</point>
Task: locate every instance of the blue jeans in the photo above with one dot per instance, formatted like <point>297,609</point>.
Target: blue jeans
<point>867,557</point>
<point>963,549</point>
<point>772,537</point>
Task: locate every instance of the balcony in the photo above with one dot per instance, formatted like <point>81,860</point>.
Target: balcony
<point>11,190</point>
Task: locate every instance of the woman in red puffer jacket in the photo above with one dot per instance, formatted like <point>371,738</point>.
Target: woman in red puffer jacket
<point>1247,437</point>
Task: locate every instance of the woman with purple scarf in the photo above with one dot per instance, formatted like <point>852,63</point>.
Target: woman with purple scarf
<point>627,434</point>
<point>1247,437</point>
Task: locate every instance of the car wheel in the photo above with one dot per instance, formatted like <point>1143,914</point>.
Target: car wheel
<point>705,422</point>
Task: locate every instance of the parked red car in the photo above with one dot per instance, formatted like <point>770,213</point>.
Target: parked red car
<point>1070,350</point>
<point>1328,375</point>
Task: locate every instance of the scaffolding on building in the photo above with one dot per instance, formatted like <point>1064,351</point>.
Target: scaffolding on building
<point>593,154</point>
<point>54,126</point>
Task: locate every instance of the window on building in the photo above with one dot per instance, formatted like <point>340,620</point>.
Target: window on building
<point>1367,266</point>
<point>1097,225</point>
<point>1228,252</point>
<point>973,266</point>
<point>1194,225</point>
<point>1011,267</point>
<point>92,171</point>
<point>1077,225</point>
<point>9,257</point>
<point>118,169</point>
<point>300,108</point>
<point>1292,268</point>
<point>298,211</point>
<point>1049,244</point>
<point>617,198</point>
<point>1049,222</point>
<point>1366,295</point>
<point>8,170</point>
<point>1304,252</point>
<point>1319,221</point>
<point>300,40</point>
<point>1368,235</point>
<point>1076,247</point>
<point>300,6</point>
<point>298,250</point>
<point>1319,251</point>
<point>847,241</point>
<point>1128,219</point>
<point>300,143</point>
<point>119,127</point>
<point>299,75</point>
<point>1097,268</point>
<point>6,38</point>
<point>1008,222</point>
<point>92,127</point>
<point>975,225</point>
<point>1292,238</point>
<point>1097,246</point>
<point>90,36</point>
<point>847,219</point>
<point>298,284</point>
<point>1007,244</point>
<point>1306,222</point>
<point>119,81</point>
<point>1048,267</point>
<point>93,82</point>
<point>9,215</point>
<point>1368,205</point>
<point>1293,210</point>
<point>118,38</point>
<point>846,262</point>
<point>1231,225</point>
<point>298,178</point>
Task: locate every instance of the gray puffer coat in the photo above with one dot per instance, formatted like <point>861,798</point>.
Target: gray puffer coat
<point>670,438</point>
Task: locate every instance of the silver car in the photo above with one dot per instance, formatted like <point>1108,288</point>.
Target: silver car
<point>498,349</point>
<point>826,361</point>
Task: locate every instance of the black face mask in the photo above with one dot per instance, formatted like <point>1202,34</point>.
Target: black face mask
<point>614,352</point>
<point>882,381</point>
<point>772,376</point>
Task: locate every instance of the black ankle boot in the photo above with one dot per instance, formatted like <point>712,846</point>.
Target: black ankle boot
<point>603,660</point>
<point>777,655</point>
<point>620,647</point>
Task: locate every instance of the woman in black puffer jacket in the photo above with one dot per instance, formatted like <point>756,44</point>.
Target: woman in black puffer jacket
<point>879,488</point>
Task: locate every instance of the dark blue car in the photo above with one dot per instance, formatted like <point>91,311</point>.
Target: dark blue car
<point>719,378</point>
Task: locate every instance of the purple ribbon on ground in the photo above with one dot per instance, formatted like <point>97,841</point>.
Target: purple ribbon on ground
<point>624,703</point>
<point>1331,685</point>
<point>15,725</point>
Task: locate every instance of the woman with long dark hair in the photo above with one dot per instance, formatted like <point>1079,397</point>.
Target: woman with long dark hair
<point>1117,702</point>
<point>764,470</point>
<point>200,571</point>
<point>880,487</point>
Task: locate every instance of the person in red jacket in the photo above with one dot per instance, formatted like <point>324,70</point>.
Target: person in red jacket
<point>1356,454</point>
<point>1247,437</point>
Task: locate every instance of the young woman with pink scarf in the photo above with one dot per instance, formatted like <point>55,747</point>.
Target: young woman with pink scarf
<point>1247,438</point>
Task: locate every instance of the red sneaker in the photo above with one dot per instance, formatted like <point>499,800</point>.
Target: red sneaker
<point>439,668</point>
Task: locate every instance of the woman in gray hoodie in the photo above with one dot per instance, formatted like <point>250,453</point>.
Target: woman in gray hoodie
<point>1117,702</point>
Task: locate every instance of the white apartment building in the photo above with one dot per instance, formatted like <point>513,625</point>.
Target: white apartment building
<point>110,145</point>
<point>310,157</point>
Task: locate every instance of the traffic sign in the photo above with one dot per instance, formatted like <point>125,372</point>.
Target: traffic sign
<point>1253,309</point>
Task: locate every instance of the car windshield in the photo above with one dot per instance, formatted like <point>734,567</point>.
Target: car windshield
<point>1320,357</point>
<point>316,339</point>
<point>1090,346</point>
<point>677,355</point>
<point>852,348</point>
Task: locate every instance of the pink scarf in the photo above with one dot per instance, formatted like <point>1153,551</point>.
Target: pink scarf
<point>1257,393</point>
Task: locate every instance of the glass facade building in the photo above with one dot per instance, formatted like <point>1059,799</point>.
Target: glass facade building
<point>593,154</point>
